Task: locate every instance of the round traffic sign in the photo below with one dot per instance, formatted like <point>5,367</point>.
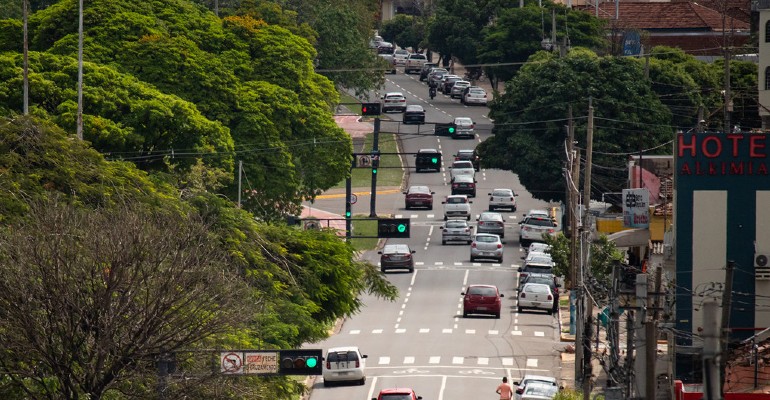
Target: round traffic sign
<point>353,198</point>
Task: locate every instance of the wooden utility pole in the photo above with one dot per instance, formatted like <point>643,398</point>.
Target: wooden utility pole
<point>712,388</point>
<point>727,297</point>
<point>584,314</point>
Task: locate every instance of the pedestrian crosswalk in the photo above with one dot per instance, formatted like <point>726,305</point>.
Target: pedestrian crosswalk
<point>486,333</point>
<point>438,217</point>
<point>518,361</point>
<point>460,264</point>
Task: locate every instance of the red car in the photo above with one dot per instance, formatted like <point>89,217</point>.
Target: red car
<point>482,299</point>
<point>418,196</point>
<point>397,394</point>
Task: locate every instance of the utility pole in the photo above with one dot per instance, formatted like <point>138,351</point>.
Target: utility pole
<point>727,297</point>
<point>240,176</point>
<point>650,333</point>
<point>640,338</point>
<point>80,71</point>
<point>25,69</point>
<point>612,324</point>
<point>586,305</point>
<point>375,165</point>
<point>712,389</point>
<point>629,354</point>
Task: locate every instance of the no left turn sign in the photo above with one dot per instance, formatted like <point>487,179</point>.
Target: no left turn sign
<point>232,363</point>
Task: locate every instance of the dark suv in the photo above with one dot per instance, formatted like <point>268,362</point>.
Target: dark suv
<point>468,155</point>
<point>464,184</point>
<point>426,69</point>
<point>428,159</point>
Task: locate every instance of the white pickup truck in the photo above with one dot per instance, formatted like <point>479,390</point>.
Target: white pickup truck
<point>414,62</point>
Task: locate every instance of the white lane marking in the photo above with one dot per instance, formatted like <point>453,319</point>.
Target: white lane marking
<point>431,216</point>
<point>415,216</point>
<point>384,360</point>
<point>410,360</point>
<point>532,362</point>
<point>376,331</point>
<point>414,276</point>
<point>408,294</point>
<point>355,332</point>
<point>403,306</point>
<point>371,388</point>
<point>438,263</point>
<point>424,330</point>
<point>406,300</point>
<point>419,263</point>
<point>507,362</point>
<point>458,264</point>
<point>539,333</point>
<point>483,361</point>
<point>465,278</point>
<point>440,391</point>
<point>492,332</point>
<point>516,333</point>
<point>446,330</point>
<point>398,216</point>
<point>402,330</point>
<point>434,360</point>
<point>457,360</point>
<point>470,331</point>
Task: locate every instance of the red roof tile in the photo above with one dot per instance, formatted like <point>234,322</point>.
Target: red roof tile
<point>676,16</point>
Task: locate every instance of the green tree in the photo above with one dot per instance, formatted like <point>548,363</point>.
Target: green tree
<point>531,116</point>
<point>405,30</point>
<point>604,255</point>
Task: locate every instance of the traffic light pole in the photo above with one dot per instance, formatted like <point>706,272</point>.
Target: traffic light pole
<point>348,205</point>
<point>375,165</point>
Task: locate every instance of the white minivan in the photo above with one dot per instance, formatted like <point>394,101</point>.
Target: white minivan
<point>344,364</point>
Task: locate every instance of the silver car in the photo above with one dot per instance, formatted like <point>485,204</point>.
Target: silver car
<point>491,222</point>
<point>456,230</point>
<point>536,296</point>
<point>487,245</point>
<point>458,88</point>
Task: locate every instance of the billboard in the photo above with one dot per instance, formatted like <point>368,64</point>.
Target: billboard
<point>636,208</point>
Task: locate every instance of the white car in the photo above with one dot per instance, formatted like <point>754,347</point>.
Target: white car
<point>502,198</point>
<point>344,364</point>
<point>461,168</point>
<point>536,379</point>
<point>474,95</point>
<point>536,296</point>
<point>463,128</point>
<point>532,229</point>
<point>458,88</point>
<point>400,56</point>
<point>393,101</point>
<point>538,247</point>
<point>457,206</point>
<point>539,391</point>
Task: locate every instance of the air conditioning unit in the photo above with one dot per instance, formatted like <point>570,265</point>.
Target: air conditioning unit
<point>762,266</point>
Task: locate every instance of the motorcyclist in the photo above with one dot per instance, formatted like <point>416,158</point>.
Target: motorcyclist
<point>432,92</point>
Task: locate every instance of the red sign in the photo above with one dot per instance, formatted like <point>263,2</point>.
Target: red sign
<point>722,154</point>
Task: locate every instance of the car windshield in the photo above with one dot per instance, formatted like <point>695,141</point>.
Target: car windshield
<point>457,200</point>
<point>482,291</point>
<point>456,224</point>
<point>486,239</point>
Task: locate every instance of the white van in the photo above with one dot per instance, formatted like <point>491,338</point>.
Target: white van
<point>457,206</point>
<point>344,364</point>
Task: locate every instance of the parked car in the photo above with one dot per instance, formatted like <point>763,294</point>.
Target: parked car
<point>375,41</point>
<point>464,184</point>
<point>418,196</point>
<point>468,155</point>
<point>491,222</point>
<point>535,296</point>
<point>425,70</point>
<point>457,89</point>
<point>502,198</point>
<point>393,101</point>
<point>474,95</point>
<point>397,394</point>
<point>486,245</point>
<point>546,279</point>
<point>456,230</point>
<point>344,364</point>
<point>427,159</point>
<point>538,247</point>
<point>532,229</point>
<point>535,379</point>
<point>461,168</point>
<point>457,206</point>
<point>414,62</point>
<point>396,256</point>
<point>482,299</point>
<point>539,391</point>
<point>414,113</point>
<point>464,128</point>
<point>544,266</point>
<point>537,213</point>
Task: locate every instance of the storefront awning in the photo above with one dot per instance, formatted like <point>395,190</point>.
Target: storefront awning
<point>631,238</point>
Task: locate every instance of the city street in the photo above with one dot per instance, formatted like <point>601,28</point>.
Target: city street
<point>421,340</point>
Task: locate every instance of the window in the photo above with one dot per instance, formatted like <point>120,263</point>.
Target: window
<point>767,77</point>
<point>767,32</point>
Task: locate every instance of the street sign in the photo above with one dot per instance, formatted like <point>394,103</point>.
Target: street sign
<point>312,224</point>
<point>353,198</point>
<point>231,363</point>
<point>260,362</point>
<point>363,161</point>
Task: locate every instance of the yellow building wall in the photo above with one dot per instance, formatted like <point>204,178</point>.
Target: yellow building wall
<point>609,225</point>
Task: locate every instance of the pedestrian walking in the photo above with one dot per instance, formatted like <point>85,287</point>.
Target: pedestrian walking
<point>505,390</point>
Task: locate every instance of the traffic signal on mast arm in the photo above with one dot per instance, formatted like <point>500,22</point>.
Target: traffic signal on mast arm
<point>301,362</point>
<point>393,228</point>
<point>370,109</point>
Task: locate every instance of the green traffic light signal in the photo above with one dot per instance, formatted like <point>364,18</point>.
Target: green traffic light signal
<point>374,170</point>
<point>451,129</point>
<point>401,228</point>
<point>347,214</point>
<point>434,160</point>
<point>311,362</point>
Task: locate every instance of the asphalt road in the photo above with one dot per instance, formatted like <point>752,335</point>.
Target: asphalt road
<point>421,340</point>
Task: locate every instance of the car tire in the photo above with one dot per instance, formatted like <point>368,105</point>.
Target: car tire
<point>469,242</point>
<point>520,310</point>
<point>445,218</point>
<point>443,242</point>
<point>327,383</point>
<point>472,259</point>
<point>382,269</point>
<point>497,316</point>
<point>500,260</point>
<point>550,312</point>
<point>406,206</point>
<point>491,208</point>
<point>468,218</point>
<point>430,207</point>
<point>362,381</point>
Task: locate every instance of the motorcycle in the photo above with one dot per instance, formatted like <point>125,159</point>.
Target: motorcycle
<point>432,92</point>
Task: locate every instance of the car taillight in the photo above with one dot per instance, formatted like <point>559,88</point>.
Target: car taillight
<point>386,256</point>
<point>550,297</point>
<point>473,245</point>
<point>455,186</point>
<point>519,391</point>
<point>408,256</point>
<point>550,230</point>
<point>481,222</point>
<point>524,228</point>
<point>328,365</point>
<point>511,199</point>
<point>523,275</point>
<point>472,126</point>
<point>523,295</point>
<point>499,246</point>
<point>491,199</point>
<point>358,364</point>
<point>467,229</point>
<point>457,158</point>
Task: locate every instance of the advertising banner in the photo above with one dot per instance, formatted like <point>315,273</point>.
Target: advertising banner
<point>636,208</point>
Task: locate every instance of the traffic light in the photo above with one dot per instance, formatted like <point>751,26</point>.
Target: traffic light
<point>370,109</point>
<point>444,129</point>
<point>375,163</point>
<point>393,228</point>
<point>451,129</point>
<point>347,214</point>
<point>301,362</point>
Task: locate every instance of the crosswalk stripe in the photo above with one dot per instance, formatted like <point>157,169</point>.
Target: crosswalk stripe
<point>492,332</point>
<point>457,360</point>
<point>507,361</point>
<point>447,330</point>
<point>470,331</point>
<point>539,333</point>
<point>424,330</point>
<point>430,216</point>
<point>376,331</point>
<point>434,360</point>
<point>438,263</point>
<point>355,332</point>
<point>532,363</point>
<point>400,330</point>
<point>410,360</point>
<point>516,333</point>
<point>483,361</point>
<point>384,360</point>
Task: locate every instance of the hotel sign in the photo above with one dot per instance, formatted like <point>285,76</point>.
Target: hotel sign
<point>711,155</point>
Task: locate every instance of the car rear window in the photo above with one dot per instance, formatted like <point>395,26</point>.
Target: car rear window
<point>462,164</point>
<point>537,269</point>
<point>482,291</point>
<point>419,189</point>
<point>486,239</point>
<point>534,288</point>
<point>457,200</point>
<point>418,57</point>
<point>456,224</point>
<point>540,222</point>
<point>395,396</point>
<point>502,193</point>
<point>342,356</point>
